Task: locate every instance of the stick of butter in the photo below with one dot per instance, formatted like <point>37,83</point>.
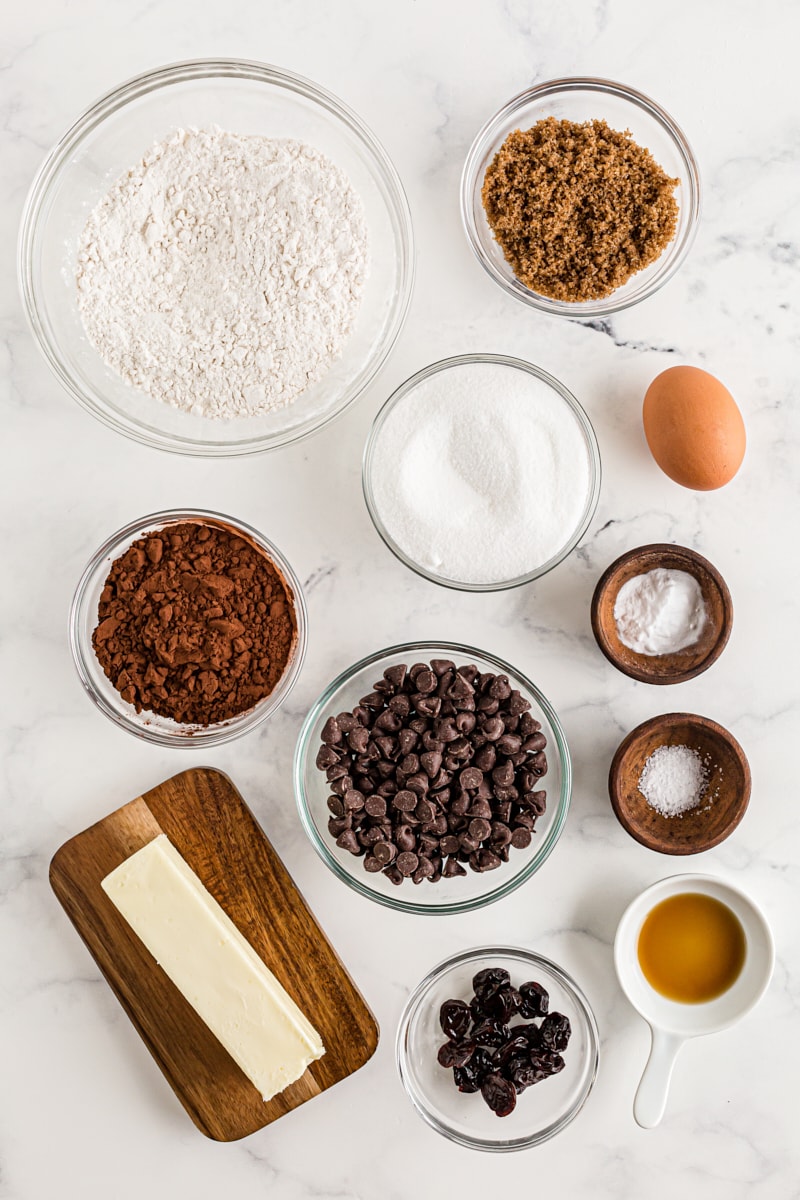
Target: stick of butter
<point>215,968</point>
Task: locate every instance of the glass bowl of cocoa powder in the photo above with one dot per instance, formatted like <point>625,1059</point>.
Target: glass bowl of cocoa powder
<point>188,628</point>
<point>580,197</point>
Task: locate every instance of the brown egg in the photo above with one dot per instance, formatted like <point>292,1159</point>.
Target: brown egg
<point>694,428</point>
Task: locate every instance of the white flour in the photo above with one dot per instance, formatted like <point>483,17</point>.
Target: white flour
<point>481,473</point>
<point>223,273</point>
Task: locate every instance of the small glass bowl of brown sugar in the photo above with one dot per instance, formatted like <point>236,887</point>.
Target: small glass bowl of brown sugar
<point>188,628</point>
<point>580,197</point>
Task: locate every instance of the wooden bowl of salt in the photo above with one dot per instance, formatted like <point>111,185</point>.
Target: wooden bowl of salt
<point>669,667</point>
<point>679,749</point>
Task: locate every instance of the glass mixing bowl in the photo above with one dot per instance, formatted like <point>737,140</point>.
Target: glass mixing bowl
<point>584,425</point>
<point>103,144</point>
<point>584,100</point>
<point>463,893</point>
<point>147,725</point>
<point>542,1110</point>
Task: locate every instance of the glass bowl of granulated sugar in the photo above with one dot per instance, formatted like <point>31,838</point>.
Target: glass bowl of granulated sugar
<point>216,258</point>
<point>481,472</point>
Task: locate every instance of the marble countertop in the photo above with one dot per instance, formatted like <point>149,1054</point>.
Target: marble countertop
<point>85,1113</point>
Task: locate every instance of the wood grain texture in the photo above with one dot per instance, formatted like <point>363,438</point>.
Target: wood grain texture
<point>663,668</point>
<point>205,818</point>
<point>727,794</point>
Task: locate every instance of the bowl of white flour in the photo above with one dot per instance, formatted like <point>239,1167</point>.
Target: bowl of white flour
<point>216,258</point>
<point>481,472</point>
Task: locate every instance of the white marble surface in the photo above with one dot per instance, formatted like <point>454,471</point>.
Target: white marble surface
<point>85,1113</point>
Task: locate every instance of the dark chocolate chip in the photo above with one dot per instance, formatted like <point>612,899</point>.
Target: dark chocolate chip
<point>500,688</point>
<point>484,860</point>
<point>405,838</point>
<point>396,675</point>
<point>331,732</point>
<point>425,811</point>
<point>326,757</point>
<point>404,801</point>
<point>479,829</point>
<point>347,840</point>
<point>451,868</point>
<point>431,763</point>
<point>353,800</point>
<point>470,778</point>
<point>407,863</point>
<point>385,852</point>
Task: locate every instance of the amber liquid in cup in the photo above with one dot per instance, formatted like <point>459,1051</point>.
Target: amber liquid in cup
<point>691,948</point>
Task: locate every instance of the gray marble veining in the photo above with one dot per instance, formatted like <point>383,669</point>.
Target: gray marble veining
<point>84,1111</point>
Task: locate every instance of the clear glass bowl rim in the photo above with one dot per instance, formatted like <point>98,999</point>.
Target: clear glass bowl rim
<point>588,310</point>
<point>304,749</point>
<point>505,360</point>
<point>141,85</point>
<point>212,735</point>
<point>477,954</point>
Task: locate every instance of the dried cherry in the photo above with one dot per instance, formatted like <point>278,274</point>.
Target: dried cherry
<point>516,1046</point>
<point>466,1080</point>
<point>535,1000</point>
<point>489,1054</point>
<point>499,1094</point>
<point>503,1003</point>
<point>455,1019</point>
<point>486,983</point>
<point>556,1030</point>
<point>490,1033</point>
<point>548,1061</point>
<point>455,1054</point>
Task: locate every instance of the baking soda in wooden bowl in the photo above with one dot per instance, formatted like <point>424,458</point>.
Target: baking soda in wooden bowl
<point>481,472</point>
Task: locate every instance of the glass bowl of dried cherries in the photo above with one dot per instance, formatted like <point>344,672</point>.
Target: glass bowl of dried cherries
<point>498,1049</point>
<point>432,777</point>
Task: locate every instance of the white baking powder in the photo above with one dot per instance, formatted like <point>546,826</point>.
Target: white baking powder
<point>660,612</point>
<point>223,273</point>
<point>481,473</point>
<point>673,780</point>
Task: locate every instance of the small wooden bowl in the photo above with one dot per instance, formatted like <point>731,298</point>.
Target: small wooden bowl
<point>725,799</point>
<point>663,668</point>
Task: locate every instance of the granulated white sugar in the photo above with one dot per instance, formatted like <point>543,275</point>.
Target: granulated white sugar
<point>673,780</point>
<point>481,473</point>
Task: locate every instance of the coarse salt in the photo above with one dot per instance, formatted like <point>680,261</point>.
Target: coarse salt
<point>674,780</point>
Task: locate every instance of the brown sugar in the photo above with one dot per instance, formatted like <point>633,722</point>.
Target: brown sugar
<point>577,209</point>
<point>194,623</point>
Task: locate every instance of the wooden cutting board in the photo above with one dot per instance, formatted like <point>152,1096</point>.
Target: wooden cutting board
<point>205,818</point>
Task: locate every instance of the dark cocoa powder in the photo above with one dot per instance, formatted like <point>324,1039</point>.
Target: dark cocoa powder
<point>195,623</point>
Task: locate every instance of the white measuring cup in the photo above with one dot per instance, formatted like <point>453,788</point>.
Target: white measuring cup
<point>671,1022</point>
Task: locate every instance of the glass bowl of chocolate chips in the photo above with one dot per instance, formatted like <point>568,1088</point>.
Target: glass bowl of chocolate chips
<point>497,1049</point>
<point>432,777</point>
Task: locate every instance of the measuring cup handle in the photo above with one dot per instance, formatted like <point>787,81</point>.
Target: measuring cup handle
<point>651,1096</point>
